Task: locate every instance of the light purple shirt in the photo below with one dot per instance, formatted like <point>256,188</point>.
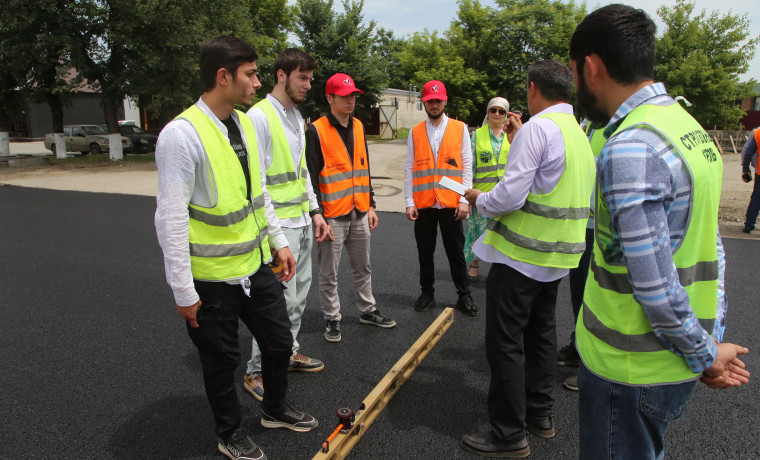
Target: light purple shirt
<point>535,164</point>
<point>435,136</point>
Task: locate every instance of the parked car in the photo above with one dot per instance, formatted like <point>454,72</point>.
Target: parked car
<point>140,140</point>
<point>85,139</point>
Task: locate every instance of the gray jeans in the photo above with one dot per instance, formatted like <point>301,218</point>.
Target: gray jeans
<point>300,242</point>
<point>354,234</point>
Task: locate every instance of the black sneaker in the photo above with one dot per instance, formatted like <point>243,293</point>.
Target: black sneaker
<point>291,419</point>
<point>746,230</point>
<point>568,356</point>
<point>376,319</point>
<point>239,446</point>
<point>332,331</point>
<point>466,304</point>
<point>424,301</point>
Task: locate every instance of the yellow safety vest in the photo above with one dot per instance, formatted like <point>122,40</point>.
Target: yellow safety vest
<point>227,240</point>
<point>489,169</point>
<point>613,335</point>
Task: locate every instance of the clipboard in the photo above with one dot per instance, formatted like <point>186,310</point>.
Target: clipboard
<point>452,185</point>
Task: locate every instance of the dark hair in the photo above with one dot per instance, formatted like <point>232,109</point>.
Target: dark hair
<point>226,52</point>
<point>553,79</point>
<point>623,37</point>
<point>292,59</point>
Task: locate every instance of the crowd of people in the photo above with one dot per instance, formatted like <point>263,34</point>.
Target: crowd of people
<point>620,205</point>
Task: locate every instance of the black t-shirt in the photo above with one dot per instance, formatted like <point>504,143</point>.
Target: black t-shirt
<point>236,142</point>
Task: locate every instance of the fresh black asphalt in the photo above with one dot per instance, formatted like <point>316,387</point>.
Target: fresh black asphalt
<point>96,362</point>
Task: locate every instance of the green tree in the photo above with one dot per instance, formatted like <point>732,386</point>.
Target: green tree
<point>430,57</point>
<point>701,57</point>
<point>36,41</point>
<point>341,43</point>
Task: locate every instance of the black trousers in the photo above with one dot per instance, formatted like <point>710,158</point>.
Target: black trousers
<point>452,234</point>
<point>578,280</point>
<point>521,347</point>
<point>266,316</point>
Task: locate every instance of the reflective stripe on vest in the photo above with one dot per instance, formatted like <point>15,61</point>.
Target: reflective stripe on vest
<point>427,172</point>
<point>344,183</point>
<point>286,187</point>
<point>227,240</point>
<point>613,334</point>
<point>488,168</point>
<point>550,230</point>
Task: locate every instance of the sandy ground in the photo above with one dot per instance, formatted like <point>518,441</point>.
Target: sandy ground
<point>387,163</point>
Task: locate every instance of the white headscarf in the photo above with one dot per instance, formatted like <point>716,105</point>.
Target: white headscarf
<point>496,102</point>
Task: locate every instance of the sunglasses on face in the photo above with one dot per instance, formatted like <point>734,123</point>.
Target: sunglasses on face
<point>495,110</point>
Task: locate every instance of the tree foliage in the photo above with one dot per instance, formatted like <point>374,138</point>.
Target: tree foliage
<point>341,43</point>
<point>37,38</point>
<point>701,57</point>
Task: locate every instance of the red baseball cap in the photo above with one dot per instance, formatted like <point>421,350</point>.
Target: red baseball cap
<point>434,89</point>
<point>341,84</point>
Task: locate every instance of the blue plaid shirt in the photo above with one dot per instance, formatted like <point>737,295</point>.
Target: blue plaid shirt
<point>647,187</point>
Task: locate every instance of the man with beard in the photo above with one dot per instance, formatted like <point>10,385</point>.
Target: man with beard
<point>537,233</point>
<point>213,216</point>
<point>438,147</point>
<point>280,132</point>
<point>339,164</point>
<point>654,307</point>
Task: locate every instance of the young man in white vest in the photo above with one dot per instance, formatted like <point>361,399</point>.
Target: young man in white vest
<point>215,223</point>
<point>280,134</point>
<point>339,168</point>
<point>537,233</point>
<point>654,306</point>
<point>438,147</point>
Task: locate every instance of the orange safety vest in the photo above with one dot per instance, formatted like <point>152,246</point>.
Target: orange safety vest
<point>343,185</point>
<point>427,173</point>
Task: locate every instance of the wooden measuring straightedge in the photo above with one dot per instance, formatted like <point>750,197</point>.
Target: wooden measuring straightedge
<point>379,397</point>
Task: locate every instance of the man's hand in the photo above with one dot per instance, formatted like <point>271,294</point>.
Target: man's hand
<point>288,264</point>
<point>746,177</point>
<point>189,312</point>
<point>471,195</point>
<point>322,231</point>
<point>513,123</point>
<point>727,370</point>
<point>372,218</point>
<point>411,213</point>
<point>461,211</point>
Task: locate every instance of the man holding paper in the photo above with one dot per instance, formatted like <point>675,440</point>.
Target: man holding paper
<point>439,149</point>
<point>537,233</point>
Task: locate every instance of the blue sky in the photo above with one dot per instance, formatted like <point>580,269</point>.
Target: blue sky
<point>408,16</point>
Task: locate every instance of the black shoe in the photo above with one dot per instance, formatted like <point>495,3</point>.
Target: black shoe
<point>746,230</point>
<point>571,383</point>
<point>542,427</point>
<point>568,356</point>
<point>466,305</point>
<point>484,445</point>
<point>332,331</point>
<point>239,446</point>
<point>291,419</point>
<point>376,319</point>
<point>424,301</point>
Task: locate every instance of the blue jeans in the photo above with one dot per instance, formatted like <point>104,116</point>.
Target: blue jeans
<point>754,206</point>
<point>626,422</point>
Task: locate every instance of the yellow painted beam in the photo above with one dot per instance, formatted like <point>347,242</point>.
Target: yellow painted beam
<point>379,397</point>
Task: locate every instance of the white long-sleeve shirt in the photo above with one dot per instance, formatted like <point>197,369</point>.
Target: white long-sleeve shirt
<point>293,125</point>
<point>435,136</point>
<point>183,178</point>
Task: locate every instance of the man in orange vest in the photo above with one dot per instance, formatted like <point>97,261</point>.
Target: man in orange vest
<point>437,147</point>
<point>336,153</point>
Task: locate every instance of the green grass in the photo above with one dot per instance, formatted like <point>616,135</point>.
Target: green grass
<point>103,158</point>
<point>401,133</point>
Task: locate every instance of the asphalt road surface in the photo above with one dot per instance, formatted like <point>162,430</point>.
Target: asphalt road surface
<point>96,363</point>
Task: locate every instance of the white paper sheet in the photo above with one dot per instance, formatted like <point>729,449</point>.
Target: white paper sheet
<point>452,185</point>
